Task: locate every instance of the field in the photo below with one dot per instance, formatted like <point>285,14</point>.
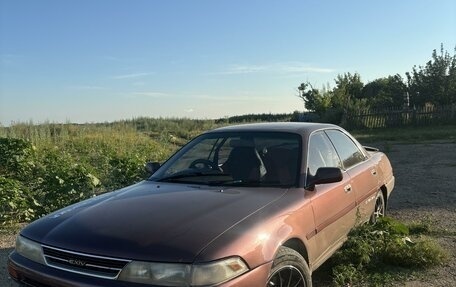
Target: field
<point>96,158</point>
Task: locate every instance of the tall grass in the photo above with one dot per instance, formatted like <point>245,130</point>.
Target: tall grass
<point>408,134</point>
<point>47,166</point>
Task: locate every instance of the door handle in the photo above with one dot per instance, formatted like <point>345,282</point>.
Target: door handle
<point>373,172</point>
<point>347,188</point>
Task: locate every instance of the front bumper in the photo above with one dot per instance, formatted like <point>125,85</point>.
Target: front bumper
<point>32,274</point>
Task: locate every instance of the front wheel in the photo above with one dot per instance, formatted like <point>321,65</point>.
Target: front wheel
<point>379,208</point>
<point>289,269</point>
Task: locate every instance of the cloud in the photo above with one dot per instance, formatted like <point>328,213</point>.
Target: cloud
<point>245,69</point>
<point>88,87</point>
<point>303,68</point>
<point>190,110</point>
<point>131,76</point>
<point>114,59</point>
<point>138,84</point>
<point>277,68</point>
<point>9,59</point>
<point>148,95</point>
<point>124,60</point>
<point>236,98</point>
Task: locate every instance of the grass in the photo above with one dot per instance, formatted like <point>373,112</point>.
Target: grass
<point>408,134</point>
<point>180,131</point>
<point>377,255</point>
<point>11,229</point>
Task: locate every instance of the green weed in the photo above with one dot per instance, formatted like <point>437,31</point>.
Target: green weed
<point>375,255</point>
<point>424,226</point>
<point>47,167</point>
<point>408,134</point>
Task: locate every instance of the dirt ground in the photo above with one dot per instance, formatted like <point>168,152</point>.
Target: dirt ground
<point>425,189</point>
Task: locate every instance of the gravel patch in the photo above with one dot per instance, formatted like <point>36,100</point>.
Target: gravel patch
<point>426,190</point>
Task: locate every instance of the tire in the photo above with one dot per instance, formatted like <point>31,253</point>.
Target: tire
<point>379,208</point>
<point>289,269</point>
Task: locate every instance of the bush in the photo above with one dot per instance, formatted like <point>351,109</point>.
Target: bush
<point>66,164</point>
<point>16,160</point>
<point>345,275</point>
<point>423,253</point>
<point>59,180</point>
<point>382,247</point>
<point>16,202</point>
<point>124,171</point>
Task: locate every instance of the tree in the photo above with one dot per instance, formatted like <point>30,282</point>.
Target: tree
<point>434,83</point>
<point>314,100</point>
<point>348,89</point>
<point>331,105</point>
<point>385,92</point>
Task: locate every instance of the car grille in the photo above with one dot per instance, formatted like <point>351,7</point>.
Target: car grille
<point>92,265</point>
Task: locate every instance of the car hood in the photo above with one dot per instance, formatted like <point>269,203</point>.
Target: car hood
<point>150,221</point>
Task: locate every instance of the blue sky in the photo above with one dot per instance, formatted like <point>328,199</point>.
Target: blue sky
<point>104,60</point>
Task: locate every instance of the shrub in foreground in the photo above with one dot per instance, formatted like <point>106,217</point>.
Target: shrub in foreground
<point>375,254</point>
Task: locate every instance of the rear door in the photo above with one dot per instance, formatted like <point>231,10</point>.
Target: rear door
<point>362,171</point>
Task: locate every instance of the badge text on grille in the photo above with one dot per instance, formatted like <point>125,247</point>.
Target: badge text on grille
<point>77,262</point>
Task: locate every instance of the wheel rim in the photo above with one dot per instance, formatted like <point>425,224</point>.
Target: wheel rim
<point>287,276</point>
<point>379,208</point>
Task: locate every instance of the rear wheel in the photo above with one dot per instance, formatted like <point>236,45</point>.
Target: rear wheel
<point>379,208</point>
<point>289,270</point>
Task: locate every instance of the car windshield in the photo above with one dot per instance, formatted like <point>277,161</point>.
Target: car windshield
<point>236,159</point>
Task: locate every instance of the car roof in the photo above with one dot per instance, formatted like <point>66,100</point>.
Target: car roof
<point>290,127</point>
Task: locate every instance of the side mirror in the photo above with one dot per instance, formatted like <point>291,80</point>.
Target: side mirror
<point>325,175</point>
<point>152,167</point>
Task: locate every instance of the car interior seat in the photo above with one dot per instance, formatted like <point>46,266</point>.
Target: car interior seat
<point>282,165</point>
<point>245,164</point>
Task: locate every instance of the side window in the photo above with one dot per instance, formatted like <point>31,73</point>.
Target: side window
<point>348,151</point>
<point>321,153</point>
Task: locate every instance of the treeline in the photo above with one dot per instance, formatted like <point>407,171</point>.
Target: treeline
<point>249,118</point>
<point>431,84</point>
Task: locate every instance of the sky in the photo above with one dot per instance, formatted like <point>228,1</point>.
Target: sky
<point>104,60</point>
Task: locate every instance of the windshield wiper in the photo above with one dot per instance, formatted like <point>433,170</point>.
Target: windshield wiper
<point>192,174</point>
<point>249,183</point>
<point>236,183</point>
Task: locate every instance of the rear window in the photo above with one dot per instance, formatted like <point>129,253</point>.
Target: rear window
<point>348,151</point>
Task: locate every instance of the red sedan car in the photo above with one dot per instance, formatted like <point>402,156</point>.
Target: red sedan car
<point>249,205</point>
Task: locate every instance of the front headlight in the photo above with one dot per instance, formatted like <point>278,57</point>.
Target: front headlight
<point>218,271</point>
<point>156,273</point>
<point>29,249</point>
<point>170,274</point>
